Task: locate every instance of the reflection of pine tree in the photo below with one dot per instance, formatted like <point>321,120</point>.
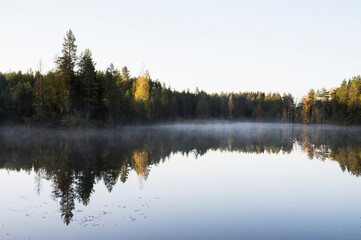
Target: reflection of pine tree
<point>84,188</point>
<point>110,178</point>
<point>40,174</point>
<point>64,189</point>
<point>124,172</point>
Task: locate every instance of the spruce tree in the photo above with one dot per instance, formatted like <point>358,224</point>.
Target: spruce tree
<point>89,83</point>
<point>66,64</point>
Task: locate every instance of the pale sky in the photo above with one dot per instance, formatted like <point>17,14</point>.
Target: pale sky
<point>285,46</point>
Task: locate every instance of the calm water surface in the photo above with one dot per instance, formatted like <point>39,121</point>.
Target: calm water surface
<point>202,181</point>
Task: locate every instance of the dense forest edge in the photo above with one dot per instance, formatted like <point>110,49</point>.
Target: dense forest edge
<point>76,94</point>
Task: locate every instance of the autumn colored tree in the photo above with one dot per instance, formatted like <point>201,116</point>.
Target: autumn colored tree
<point>308,103</point>
<point>142,88</point>
<point>230,106</point>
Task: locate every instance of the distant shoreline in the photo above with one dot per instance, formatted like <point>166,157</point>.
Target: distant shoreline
<point>193,123</point>
<point>75,94</point>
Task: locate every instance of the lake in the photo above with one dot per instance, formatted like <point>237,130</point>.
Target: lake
<point>183,181</point>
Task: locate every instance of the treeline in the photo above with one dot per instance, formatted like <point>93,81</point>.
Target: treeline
<point>75,93</point>
<point>339,105</point>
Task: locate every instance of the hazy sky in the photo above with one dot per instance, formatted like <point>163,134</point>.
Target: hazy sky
<point>286,46</point>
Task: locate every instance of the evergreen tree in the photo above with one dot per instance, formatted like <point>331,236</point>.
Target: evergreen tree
<point>112,97</point>
<point>39,96</point>
<point>66,64</point>
<point>125,77</point>
<point>89,83</point>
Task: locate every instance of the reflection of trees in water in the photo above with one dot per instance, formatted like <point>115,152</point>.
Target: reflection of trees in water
<point>74,160</point>
<point>63,183</point>
<point>338,144</point>
<point>349,159</point>
<point>141,163</point>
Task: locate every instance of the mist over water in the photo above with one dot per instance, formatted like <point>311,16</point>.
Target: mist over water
<point>77,172</point>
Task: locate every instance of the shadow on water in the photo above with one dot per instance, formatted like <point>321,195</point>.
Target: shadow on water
<point>75,160</point>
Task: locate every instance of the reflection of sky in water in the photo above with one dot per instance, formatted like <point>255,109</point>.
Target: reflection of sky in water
<point>218,195</point>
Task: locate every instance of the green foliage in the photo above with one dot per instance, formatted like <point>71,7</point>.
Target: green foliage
<point>112,94</point>
<point>89,85</point>
<point>65,66</point>
<point>114,97</point>
<point>340,105</point>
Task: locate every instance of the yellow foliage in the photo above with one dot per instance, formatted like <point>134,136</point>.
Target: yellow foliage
<point>142,89</point>
<point>230,105</point>
<point>141,163</point>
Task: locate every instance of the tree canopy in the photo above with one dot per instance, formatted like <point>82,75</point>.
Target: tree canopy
<point>76,93</point>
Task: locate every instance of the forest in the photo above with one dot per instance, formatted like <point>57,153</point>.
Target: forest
<point>74,93</point>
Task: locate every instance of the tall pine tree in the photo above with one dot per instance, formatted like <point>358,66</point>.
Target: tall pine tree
<point>66,64</point>
<point>89,83</point>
